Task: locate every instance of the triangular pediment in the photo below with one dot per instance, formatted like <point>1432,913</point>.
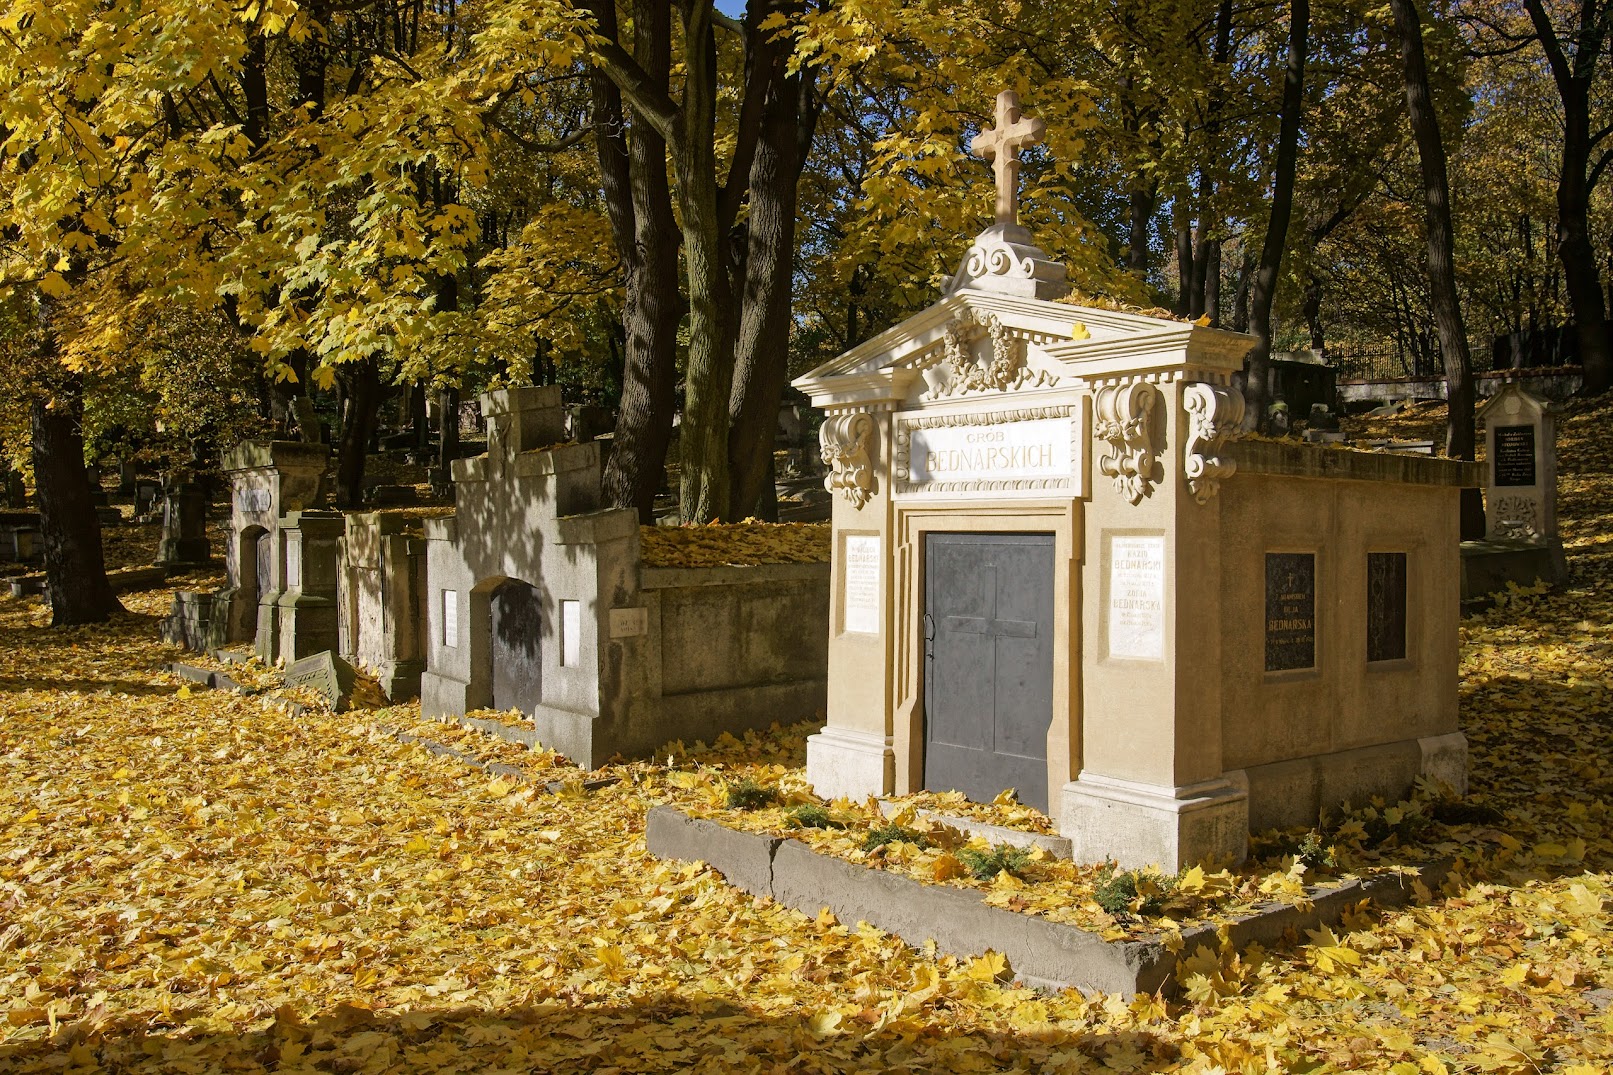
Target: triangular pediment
<point>1069,339</point>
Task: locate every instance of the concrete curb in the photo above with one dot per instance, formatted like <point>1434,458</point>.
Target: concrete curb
<point>497,768</point>
<point>1041,953</point>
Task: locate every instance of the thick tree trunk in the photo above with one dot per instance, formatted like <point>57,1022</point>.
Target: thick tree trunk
<point>1258,364</point>
<point>1573,75</point>
<point>448,432</point>
<point>1447,307</point>
<point>75,568</point>
<point>762,349</point>
<point>639,202</point>
<point>709,368</point>
<point>363,384</point>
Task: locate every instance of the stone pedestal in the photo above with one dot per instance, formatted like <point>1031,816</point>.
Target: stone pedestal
<point>184,529</point>
<point>300,619</point>
<point>1138,824</point>
<point>382,599</point>
<point>268,478</point>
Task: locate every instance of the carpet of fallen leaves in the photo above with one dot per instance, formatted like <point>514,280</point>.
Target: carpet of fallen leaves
<point>196,881</point>
<point>747,544</point>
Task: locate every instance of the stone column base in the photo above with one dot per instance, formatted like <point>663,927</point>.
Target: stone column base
<point>847,764</point>
<point>1445,760</point>
<point>400,680</point>
<point>1140,825</point>
<point>443,696</point>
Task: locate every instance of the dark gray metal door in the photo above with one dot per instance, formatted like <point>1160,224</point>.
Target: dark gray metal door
<point>988,683</point>
<point>517,646</point>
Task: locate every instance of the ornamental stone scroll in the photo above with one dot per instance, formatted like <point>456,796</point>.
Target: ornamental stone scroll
<point>845,442</point>
<point>1125,420</point>
<point>1213,411</point>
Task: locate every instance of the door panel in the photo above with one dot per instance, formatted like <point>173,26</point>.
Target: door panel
<point>989,669</point>
<point>516,646</point>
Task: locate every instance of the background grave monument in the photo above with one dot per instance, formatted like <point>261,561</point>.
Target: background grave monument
<point>1521,544</point>
<point>1054,572</point>
<point>538,600</point>
<point>267,480</point>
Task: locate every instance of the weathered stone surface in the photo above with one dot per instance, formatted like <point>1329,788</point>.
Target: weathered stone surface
<point>199,621</point>
<point>326,673</point>
<point>744,860</point>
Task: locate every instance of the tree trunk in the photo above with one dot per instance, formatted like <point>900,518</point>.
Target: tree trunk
<point>639,202</point>
<point>1258,364</point>
<point>75,568</point>
<point>363,383</point>
<point>762,349</point>
<point>1447,307</point>
<point>419,424</point>
<point>447,432</point>
<point>1573,76</point>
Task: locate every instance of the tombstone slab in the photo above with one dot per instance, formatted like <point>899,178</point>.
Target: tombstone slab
<point>1522,543</point>
<point>325,673</point>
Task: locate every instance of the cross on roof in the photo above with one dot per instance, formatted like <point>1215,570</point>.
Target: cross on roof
<point>1001,144</point>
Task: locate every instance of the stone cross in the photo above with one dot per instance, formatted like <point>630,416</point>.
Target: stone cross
<point>1001,144</point>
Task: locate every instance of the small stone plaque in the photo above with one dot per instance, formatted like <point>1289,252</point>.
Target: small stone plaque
<point>860,580</point>
<point>293,563</point>
<point>629,622</point>
<point>1514,460</point>
<point>1136,607</point>
<point>571,633</point>
<point>1290,611</point>
<point>450,617</point>
<point>1386,606</point>
<point>326,673</point>
<point>251,500</point>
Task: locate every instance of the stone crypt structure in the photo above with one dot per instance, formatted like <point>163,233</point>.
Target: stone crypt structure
<point>1053,572</point>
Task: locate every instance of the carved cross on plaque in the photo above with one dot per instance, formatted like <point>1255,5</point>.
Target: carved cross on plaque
<point>1001,145</point>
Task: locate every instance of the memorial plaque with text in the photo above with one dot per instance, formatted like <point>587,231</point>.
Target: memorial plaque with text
<point>860,578</point>
<point>1514,461</point>
<point>1386,606</point>
<point>1290,611</point>
<point>1136,613</point>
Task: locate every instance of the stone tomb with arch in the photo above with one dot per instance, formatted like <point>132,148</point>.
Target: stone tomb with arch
<point>538,601</point>
<point>1053,572</point>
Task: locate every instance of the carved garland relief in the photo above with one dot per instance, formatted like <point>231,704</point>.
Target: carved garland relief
<point>1124,416</point>
<point>845,441</point>
<point>1004,371</point>
<point>1213,412</point>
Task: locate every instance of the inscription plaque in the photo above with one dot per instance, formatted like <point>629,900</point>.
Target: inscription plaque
<point>1386,606</point>
<point>1137,598</point>
<point>1514,462</point>
<point>450,617</point>
<point>1290,611</point>
<point>860,579</point>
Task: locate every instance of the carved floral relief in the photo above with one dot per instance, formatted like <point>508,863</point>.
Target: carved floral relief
<point>1005,370</point>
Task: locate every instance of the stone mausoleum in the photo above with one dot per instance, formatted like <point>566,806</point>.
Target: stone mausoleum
<point>538,600</point>
<point>1053,572</point>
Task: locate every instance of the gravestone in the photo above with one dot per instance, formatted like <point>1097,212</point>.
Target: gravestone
<point>183,545</point>
<point>1520,494</point>
<point>1216,662</point>
<point>126,477</point>
<point>325,673</point>
<point>1521,449</point>
<point>16,493</point>
<point>147,498</point>
<point>267,479</point>
<point>302,617</point>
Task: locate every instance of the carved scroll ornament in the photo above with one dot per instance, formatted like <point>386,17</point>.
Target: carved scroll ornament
<point>1125,419</point>
<point>844,441</point>
<point>1213,411</point>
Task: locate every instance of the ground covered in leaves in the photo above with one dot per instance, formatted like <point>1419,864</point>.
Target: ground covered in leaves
<point>196,881</point>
